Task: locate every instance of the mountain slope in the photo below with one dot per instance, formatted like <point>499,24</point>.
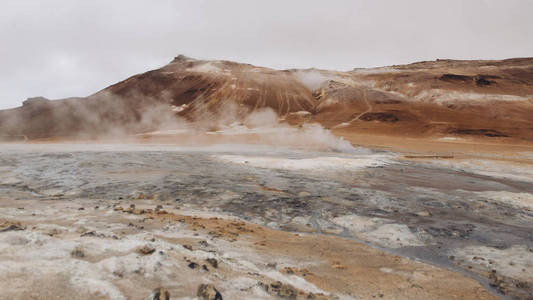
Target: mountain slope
<point>445,97</point>
<point>489,99</point>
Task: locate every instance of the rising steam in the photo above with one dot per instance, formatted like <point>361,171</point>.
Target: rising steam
<point>135,115</point>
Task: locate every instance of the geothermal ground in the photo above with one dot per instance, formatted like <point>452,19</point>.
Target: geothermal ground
<point>223,178</point>
<point>109,221</point>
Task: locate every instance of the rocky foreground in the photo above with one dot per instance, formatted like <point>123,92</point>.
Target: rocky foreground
<point>120,250</point>
<point>125,221</point>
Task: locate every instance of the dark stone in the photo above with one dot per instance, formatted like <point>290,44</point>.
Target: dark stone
<point>192,265</point>
<point>213,262</point>
<point>281,289</point>
<point>482,81</point>
<point>208,292</point>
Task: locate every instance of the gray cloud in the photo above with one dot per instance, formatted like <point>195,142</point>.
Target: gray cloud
<point>62,48</point>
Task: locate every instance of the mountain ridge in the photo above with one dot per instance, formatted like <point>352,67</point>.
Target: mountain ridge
<point>485,98</point>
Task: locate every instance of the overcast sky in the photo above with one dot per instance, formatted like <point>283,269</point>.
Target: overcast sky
<point>63,48</point>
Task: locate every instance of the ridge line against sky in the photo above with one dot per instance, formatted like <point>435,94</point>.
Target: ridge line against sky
<point>62,48</point>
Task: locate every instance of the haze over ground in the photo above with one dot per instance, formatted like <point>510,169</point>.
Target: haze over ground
<point>65,48</point>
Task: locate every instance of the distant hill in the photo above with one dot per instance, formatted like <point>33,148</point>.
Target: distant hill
<point>492,99</point>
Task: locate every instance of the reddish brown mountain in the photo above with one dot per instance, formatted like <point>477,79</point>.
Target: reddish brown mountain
<point>491,99</point>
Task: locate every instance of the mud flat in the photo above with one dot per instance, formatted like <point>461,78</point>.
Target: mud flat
<point>118,221</point>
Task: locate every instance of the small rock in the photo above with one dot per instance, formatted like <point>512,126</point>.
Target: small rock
<point>289,270</point>
<point>160,294</point>
<point>282,290</point>
<point>193,265</point>
<point>213,262</point>
<point>423,213</point>
<point>131,209</point>
<point>90,233</point>
<point>208,292</point>
<point>338,265</point>
<point>77,252</point>
<point>287,291</point>
<point>188,247</point>
<point>305,272</point>
<point>11,227</point>
<point>146,250</point>
<point>271,265</point>
<point>319,296</point>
